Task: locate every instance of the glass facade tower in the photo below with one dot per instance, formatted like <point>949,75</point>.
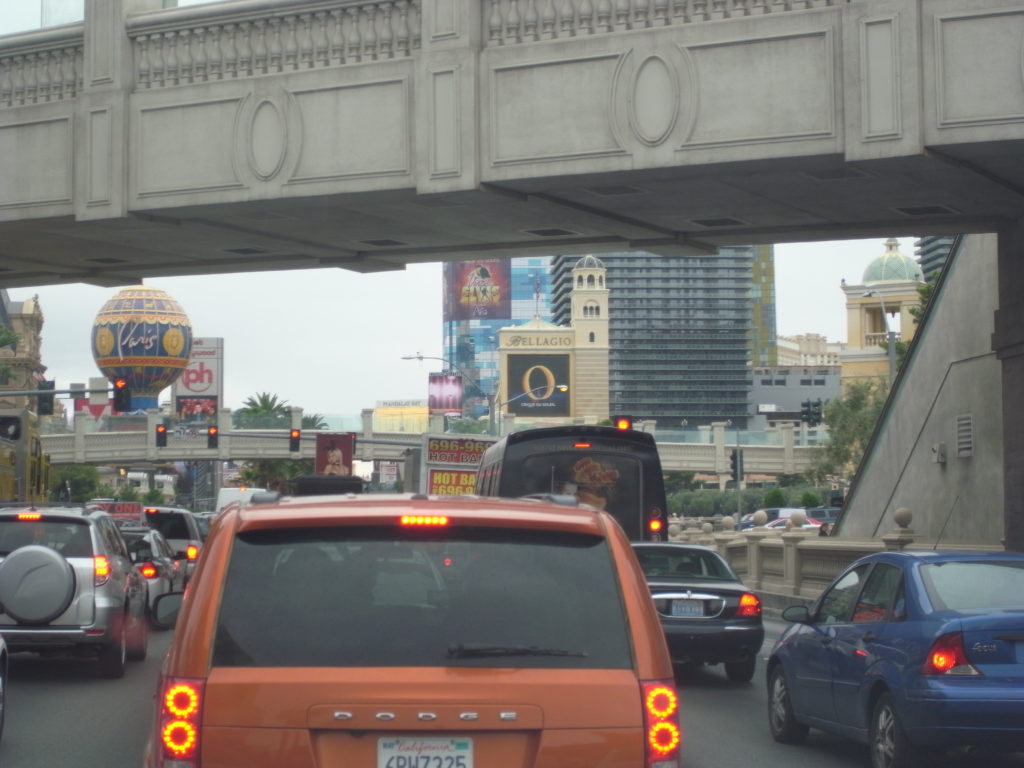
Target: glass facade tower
<point>682,331</point>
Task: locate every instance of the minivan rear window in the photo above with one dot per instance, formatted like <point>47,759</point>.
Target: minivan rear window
<point>368,597</point>
<point>69,537</point>
<point>171,525</point>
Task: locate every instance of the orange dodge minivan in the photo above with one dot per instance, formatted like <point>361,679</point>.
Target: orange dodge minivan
<point>415,632</point>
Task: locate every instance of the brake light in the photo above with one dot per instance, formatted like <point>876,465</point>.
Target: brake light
<point>148,570</point>
<point>151,510</point>
<point>655,526</point>
<point>948,657</point>
<point>581,445</point>
<point>178,721</point>
<point>750,605</point>
<point>29,516</point>
<point>100,570</point>
<point>192,552</point>
<point>424,520</point>
<point>661,724</point>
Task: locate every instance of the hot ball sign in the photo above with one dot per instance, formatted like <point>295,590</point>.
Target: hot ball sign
<point>142,335</point>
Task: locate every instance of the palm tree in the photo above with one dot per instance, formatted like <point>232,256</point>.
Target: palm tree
<point>263,410</point>
<point>313,421</point>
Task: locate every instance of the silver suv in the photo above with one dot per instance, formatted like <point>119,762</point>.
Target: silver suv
<point>67,585</point>
<point>178,525</point>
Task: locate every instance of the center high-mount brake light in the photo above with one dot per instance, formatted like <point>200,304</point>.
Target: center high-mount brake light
<point>661,724</point>
<point>29,516</point>
<point>424,520</point>
<point>581,445</point>
<point>180,713</point>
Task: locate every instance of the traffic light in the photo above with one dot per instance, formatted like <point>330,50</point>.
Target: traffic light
<point>44,402</point>
<point>622,422</point>
<point>736,464</point>
<point>161,435</point>
<point>295,440</point>
<point>806,411</point>
<point>816,413</point>
<point>122,396</point>
<point>212,437</point>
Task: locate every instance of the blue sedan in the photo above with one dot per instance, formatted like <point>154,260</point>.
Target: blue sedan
<point>908,652</point>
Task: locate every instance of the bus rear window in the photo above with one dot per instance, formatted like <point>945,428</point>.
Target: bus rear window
<point>605,481</point>
<point>365,597</point>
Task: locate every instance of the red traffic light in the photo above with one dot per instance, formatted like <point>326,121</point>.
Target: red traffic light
<point>295,440</point>
<point>161,435</point>
<point>212,433</point>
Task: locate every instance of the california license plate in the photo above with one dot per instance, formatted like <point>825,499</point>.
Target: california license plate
<point>687,608</point>
<point>405,752</point>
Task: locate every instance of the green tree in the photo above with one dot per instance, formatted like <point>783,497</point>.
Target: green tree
<point>127,492</point>
<point>810,499</point>
<point>776,497</point>
<point>925,292</point>
<point>74,482</point>
<point>274,474</point>
<point>851,421</point>
<point>263,411</point>
<point>313,421</point>
<point>8,338</point>
<point>679,481</point>
<point>153,496</point>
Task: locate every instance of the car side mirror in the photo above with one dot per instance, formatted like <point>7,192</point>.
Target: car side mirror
<point>798,614</point>
<point>166,608</point>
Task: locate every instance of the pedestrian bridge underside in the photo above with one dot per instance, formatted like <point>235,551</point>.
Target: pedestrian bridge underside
<point>249,135</point>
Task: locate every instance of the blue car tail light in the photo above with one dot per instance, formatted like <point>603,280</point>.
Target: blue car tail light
<point>948,657</point>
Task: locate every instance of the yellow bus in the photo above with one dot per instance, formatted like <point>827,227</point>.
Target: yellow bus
<point>24,468</point>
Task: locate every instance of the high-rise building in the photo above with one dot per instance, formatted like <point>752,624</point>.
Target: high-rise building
<point>681,331</point>
<point>481,297</point>
<point>932,252</point>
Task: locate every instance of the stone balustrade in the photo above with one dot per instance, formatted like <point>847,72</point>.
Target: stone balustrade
<point>524,21</point>
<point>41,67</point>
<point>206,44</point>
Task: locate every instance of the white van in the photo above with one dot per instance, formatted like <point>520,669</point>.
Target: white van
<point>235,493</point>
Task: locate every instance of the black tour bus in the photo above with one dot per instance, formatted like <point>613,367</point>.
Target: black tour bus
<point>617,470</point>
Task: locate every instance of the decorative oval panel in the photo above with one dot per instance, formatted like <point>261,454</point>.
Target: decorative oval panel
<point>655,102</point>
<point>268,140</point>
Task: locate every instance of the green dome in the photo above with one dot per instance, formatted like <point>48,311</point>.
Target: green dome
<point>893,267</point>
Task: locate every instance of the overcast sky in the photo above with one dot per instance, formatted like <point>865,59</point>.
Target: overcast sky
<point>331,341</point>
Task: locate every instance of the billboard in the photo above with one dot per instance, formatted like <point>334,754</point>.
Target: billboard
<point>199,390</point>
<point>449,464</point>
<point>334,453</point>
<point>533,382</point>
<point>480,288</point>
<point>444,393</point>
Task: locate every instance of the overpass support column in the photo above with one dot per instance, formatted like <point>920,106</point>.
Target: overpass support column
<point>1008,344</point>
<point>101,133</point>
<point>447,108</point>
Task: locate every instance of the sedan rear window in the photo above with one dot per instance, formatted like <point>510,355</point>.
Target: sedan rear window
<point>974,585</point>
<point>470,597</point>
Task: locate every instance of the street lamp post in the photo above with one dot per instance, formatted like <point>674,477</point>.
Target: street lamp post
<point>890,335</point>
<point>493,416</point>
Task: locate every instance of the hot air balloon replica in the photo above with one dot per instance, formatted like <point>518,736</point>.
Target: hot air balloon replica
<point>142,335</point>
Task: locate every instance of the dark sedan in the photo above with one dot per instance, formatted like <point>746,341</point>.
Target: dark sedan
<point>908,652</point>
<point>708,615</point>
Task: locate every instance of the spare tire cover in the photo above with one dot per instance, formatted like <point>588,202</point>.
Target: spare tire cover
<point>36,584</point>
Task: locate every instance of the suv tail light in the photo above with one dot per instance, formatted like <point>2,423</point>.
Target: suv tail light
<point>192,552</point>
<point>662,736</point>
<point>750,605</point>
<point>948,657</point>
<point>100,570</point>
<point>179,716</point>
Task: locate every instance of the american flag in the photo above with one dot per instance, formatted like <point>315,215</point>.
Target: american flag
<point>37,374</point>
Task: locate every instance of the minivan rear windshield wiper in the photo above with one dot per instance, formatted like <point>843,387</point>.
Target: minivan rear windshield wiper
<point>462,651</point>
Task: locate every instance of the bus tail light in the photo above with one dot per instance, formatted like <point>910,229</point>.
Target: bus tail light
<point>179,717</point>
<point>662,735</point>
<point>655,525</point>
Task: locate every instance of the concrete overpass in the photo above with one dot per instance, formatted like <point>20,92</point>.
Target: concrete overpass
<point>253,135</point>
<point>707,452</point>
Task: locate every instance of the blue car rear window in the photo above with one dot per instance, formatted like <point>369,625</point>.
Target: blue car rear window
<point>974,585</point>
